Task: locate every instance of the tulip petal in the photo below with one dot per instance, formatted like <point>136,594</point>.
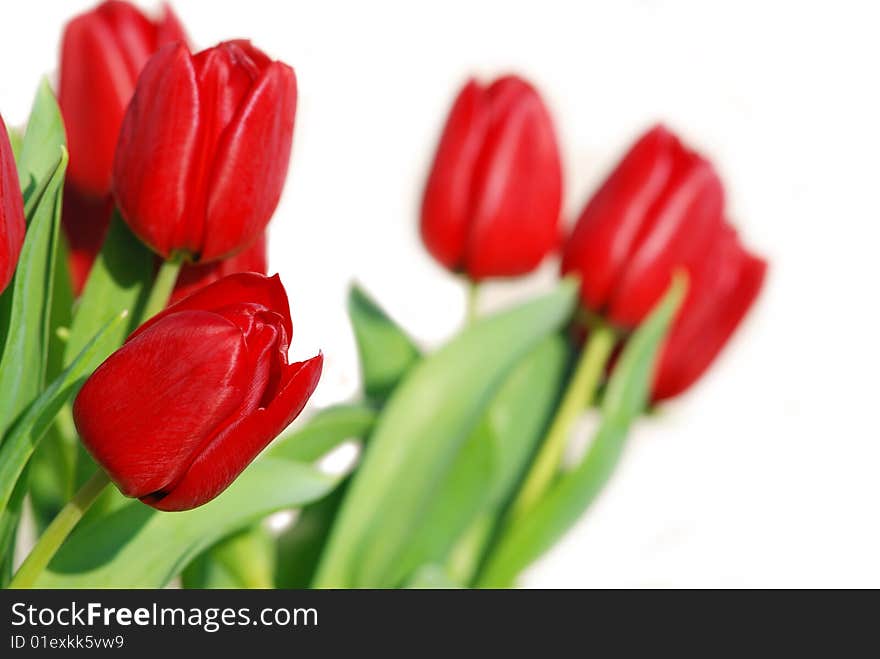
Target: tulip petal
<point>240,288</point>
<point>224,76</point>
<point>446,203</point>
<point>517,186</point>
<point>676,232</point>
<point>12,224</point>
<point>169,29</point>
<point>605,234</point>
<point>151,406</point>
<point>724,288</point>
<point>157,141</point>
<point>250,165</point>
<point>227,455</point>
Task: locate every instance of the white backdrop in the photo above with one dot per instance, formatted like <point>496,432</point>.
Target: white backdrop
<point>766,474</point>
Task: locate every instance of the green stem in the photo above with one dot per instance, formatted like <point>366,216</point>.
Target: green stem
<point>163,286</point>
<point>472,298</point>
<point>56,533</point>
<point>578,396</point>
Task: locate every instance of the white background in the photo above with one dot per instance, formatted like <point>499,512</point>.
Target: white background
<point>766,474</point>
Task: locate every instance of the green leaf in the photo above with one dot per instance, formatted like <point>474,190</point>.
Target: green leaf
<point>136,546</point>
<point>119,280</point>
<point>9,521</point>
<point>243,560</point>
<point>493,458</point>
<point>571,494</point>
<point>300,546</point>
<point>424,424</point>
<point>42,142</point>
<point>16,138</point>
<point>386,352</point>
<point>26,346</point>
<point>25,318</point>
<point>432,577</point>
<point>23,438</point>
<point>52,466</point>
<point>324,431</point>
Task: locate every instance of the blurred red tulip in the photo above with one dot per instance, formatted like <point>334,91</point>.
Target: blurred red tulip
<point>658,210</point>
<point>492,202</point>
<point>194,395</point>
<point>204,149</point>
<point>192,277</point>
<point>723,286</point>
<point>102,53</point>
<point>12,225</point>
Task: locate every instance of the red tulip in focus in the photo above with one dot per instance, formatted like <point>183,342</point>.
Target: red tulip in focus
<point>723,287</point>
<point>660,209</point>
<point>492,201</point>
<point>102,53</point>
<point>192,277</point>
<point>12,226</point>
<point>196,393</point>
<point>204,149</point>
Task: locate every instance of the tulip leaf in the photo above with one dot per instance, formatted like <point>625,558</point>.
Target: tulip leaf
<point>136,546</point>
<point>243,560</point>
<point>299,547</point>
<point>324,431</point>
<point>431,577</point>
<point>571,494</point>
<point>37,155</point>
<point>16,138</point>
<point>42,161</point>
<point>26,345</point>
<point>493,458</point>
<point>427,419</point>
<point>9,520</point>
<point>52,465</point>
<point>25,435</point>
<point>119,280</point>
<point>386,352</point>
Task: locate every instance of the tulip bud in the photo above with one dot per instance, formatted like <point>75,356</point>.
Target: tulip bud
<point>195,393</point>
<point>192,277</point>
<point>204,149</point>
<point>658,210</point>
<point>102,53</point>
<point>492,202</point>
<point>12,225</point>
<point>723,286</point>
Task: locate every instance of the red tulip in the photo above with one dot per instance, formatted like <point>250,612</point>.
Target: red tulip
<point>196,392</point>
<point>492,201</point>
<point>657,211</point>
<point>85,220</point>
<point>12,226</point>
<point>723,287</point>
<point>192,277</point>
<point>102,53</point>
<point>204,149</point>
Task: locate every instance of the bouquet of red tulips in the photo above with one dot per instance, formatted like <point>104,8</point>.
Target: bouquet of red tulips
<point>145,384</point>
